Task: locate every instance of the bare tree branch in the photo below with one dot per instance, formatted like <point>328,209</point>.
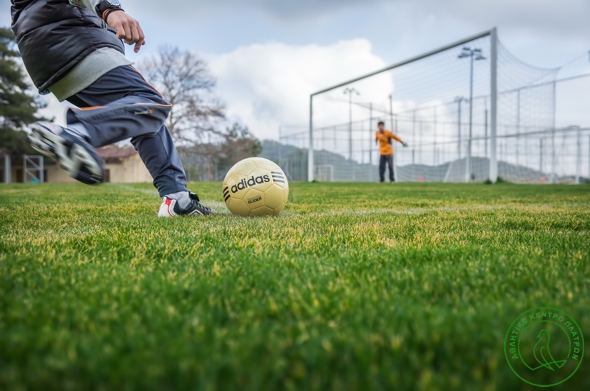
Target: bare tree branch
<point>184,80</point>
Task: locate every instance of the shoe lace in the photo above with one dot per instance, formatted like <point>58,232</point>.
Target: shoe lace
<point>195,198</point>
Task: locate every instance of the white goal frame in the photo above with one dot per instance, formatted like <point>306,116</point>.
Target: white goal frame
<point>493,34</point>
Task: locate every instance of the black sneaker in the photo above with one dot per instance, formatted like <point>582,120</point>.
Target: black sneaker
<point>72,153</point>
<point>170,208</point>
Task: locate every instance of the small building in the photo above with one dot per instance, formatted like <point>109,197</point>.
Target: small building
<point>122,165</point>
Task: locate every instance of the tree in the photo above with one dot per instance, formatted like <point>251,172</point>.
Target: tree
<point>184,80</point>
<point>17,107</point>
<point>239,144</point>
<point>212,160</point>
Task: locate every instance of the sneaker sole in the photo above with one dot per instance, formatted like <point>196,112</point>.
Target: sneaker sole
<point>54,146</point>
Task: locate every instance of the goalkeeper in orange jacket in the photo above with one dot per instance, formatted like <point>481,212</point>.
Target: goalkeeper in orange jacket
<point>385,139</point>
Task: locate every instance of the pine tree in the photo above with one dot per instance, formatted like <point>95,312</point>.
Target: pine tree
<point>17,106</point>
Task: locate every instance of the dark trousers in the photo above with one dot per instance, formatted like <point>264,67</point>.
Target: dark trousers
<point>121,105</point>
<point>386,159</point>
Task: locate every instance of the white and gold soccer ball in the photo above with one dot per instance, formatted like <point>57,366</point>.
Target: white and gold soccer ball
<point>255,187</point>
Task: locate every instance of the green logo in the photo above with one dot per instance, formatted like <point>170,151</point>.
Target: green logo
<point>544,346</point>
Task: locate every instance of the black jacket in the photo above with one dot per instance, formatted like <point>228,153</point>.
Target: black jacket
<point>53,36</point>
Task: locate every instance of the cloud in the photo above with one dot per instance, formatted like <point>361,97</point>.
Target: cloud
<point>556,19</point>
<point>284,9</point>
<point>562,18</point>
<point>267,86</point>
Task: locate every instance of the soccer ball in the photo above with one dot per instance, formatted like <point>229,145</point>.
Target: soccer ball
<point>255,187</point>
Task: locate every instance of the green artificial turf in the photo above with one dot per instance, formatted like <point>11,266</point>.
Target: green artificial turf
<point>353,287</point>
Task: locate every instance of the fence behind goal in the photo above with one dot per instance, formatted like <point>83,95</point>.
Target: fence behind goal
<point>470,112</point>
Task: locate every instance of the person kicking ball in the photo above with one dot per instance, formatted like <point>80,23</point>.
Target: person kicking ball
<point>75,51</point>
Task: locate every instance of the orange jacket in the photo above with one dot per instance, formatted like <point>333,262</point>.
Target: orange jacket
<point>385,143</point>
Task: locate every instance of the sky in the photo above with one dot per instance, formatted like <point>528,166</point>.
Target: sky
<point>269,55</point>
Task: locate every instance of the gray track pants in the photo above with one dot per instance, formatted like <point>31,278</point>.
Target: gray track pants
<point>386,160</point>
<point>122,105</point>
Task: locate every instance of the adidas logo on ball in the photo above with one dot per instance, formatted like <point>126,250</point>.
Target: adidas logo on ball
<point>253,181</point>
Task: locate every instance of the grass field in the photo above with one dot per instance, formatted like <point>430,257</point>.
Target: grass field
<point>354,287</point>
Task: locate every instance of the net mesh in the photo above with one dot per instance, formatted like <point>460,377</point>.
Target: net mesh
<point>441,106</point>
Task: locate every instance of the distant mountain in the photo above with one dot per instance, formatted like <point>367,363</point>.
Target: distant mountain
<point>333,167</point>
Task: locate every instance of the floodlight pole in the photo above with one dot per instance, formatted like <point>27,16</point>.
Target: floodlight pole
<point>459,99</point>
<point>393,129</point>
<point>350,91</point>
<point>371,133</point>
<point>350,125</point>
<point>494,106</point>
<point>553,158</point>
<point>310,163</point>
<point>391,112</point>
<point>435,134</point>
<point>414,137</point>
<point>468,160</point>
<point>474,55</point>
<point>518,127</point>
<point>578,155</point>
<point>469,142</point>
<point>280,131</point>
<point>486,125</point>
<point>541,156</point>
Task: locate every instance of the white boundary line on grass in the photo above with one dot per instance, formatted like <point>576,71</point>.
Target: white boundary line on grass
<point>222,209</point>
<point>131,188</point>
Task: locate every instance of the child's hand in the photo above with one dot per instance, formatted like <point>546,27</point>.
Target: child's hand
<point>128,29</point>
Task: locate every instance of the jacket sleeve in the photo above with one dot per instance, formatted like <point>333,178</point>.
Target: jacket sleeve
<point>89,4</point>
<point>395,137</point>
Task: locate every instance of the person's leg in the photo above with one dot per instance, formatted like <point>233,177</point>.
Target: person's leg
<point>382,168</point>
<point>122,105</point>
<point>390,165</point>
<point>159,155</point>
